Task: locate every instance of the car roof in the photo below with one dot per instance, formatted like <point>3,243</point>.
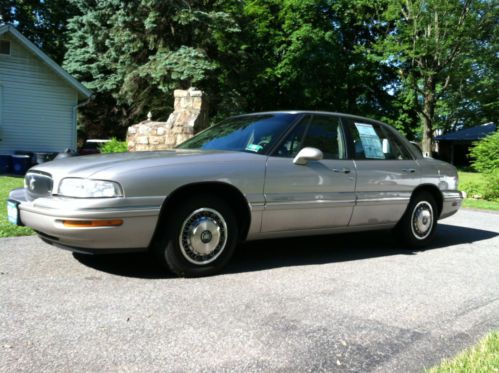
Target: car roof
<point>300,112</point>
<point>351,116</point>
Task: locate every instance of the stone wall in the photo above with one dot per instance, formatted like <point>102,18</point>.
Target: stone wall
<point>190,115</point>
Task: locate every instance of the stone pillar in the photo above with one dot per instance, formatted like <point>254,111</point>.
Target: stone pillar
<point>190,115</point>
<point>147,135</point>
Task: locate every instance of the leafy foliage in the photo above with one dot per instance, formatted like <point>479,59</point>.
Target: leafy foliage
<point>491,190</point>
<point>43,22</point>
<point>485,154</point>
<point>134,54</point>
<point>430,43</point>
<point>486,189</point>
<point>416,64</point>
<point>114,146</point>
<point>484,184</point>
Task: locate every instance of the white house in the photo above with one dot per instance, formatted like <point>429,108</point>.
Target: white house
<point>38,99</point>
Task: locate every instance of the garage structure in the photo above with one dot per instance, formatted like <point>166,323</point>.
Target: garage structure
<point>38,98</point>
<point>454,147</point>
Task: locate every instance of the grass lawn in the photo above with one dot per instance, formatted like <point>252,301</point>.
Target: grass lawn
<point>477,179</point>
<point>483,357</point>
<point>481,204</point>
<point>7,183</point>
<point>466,177</point>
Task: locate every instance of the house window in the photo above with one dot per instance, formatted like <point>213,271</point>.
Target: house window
<point>4,47</point>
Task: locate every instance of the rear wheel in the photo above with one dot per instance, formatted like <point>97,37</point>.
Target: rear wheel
<point>199,237</point>
<point>417,226</point>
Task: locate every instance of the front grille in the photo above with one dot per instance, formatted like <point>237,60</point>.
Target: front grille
<point>38,184</point>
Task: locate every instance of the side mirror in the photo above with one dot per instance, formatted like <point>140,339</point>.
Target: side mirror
<point>308,154</point>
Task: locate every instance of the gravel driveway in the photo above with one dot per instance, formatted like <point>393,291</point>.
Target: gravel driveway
<point>354,302</point>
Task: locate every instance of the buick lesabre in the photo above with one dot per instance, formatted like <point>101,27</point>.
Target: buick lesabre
<point>263,175</point>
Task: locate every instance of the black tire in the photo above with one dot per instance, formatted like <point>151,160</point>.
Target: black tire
<point>417,227</point>
<point>201,223</point>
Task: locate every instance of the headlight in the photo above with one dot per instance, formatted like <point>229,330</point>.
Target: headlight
<point>86,188</point>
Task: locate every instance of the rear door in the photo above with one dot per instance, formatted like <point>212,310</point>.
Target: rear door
<point>387,173</point>
<point>317,195</point>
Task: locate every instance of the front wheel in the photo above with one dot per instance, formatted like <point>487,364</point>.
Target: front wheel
<point>417,226</point>
<point>199,238</point>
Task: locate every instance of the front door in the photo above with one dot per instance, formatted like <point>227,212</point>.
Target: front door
<point>317,195</point>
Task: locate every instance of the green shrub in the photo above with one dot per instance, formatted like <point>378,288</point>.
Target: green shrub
<point>472,188</point>
<point>485,154</point>
<point>480,185</point>
<point>491,186</point>
<point>114,146</point>
<point>485,159</point>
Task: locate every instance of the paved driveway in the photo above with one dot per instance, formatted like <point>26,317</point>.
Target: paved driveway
<point>355,302</point>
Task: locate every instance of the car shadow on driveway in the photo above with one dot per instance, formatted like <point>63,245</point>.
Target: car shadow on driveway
<point>268,254</point>
<point>260,255</point>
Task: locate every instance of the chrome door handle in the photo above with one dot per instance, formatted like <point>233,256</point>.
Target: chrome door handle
<point>344,170</point>
<point>409,170</point>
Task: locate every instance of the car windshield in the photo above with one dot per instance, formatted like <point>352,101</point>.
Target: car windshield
<point>251,133</point>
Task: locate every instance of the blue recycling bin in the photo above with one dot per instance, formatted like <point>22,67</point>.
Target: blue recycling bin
<point>5,163</point>
<point>20,164</point>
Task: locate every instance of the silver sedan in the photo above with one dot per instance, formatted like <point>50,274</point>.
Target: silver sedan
<point>263,175</point>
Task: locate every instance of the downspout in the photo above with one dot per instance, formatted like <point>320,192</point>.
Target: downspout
<point>75,118</point>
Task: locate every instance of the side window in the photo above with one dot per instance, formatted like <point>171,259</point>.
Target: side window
<point>292,144</point>
<point>371,141</point>
<point>397,148</point>
<point>322,132</point>
<point>325,133</point>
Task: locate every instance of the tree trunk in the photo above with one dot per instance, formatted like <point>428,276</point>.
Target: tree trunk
<point>428,113</point>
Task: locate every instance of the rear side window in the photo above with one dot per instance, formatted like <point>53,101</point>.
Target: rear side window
<point>372,141</point>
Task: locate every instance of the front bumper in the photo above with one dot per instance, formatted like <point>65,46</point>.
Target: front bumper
<point>451,203</point>
<point>46,216</point>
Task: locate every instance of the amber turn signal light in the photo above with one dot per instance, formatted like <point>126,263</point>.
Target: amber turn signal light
<point>92,223</point>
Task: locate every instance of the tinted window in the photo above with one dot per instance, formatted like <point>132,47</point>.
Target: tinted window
<point>292,144</point>
<point>325,134</point>
<point>371,141</point>
<point>252,133</point>
<point>321,132</point>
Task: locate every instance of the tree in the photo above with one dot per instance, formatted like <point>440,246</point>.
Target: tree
<point>471,97</point>
<point>427,42</point>
<point>306,54</point>
<point>134,54</point>
<point>248,56</point>
<point>42,22</point>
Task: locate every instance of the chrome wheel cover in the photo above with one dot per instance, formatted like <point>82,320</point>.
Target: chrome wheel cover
<point>203,236</point>
<point>422,220</point>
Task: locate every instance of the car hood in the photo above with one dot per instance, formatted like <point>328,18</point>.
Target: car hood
<point>105,166</point>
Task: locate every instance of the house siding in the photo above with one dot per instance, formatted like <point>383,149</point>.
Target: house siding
<point>36,107</point>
